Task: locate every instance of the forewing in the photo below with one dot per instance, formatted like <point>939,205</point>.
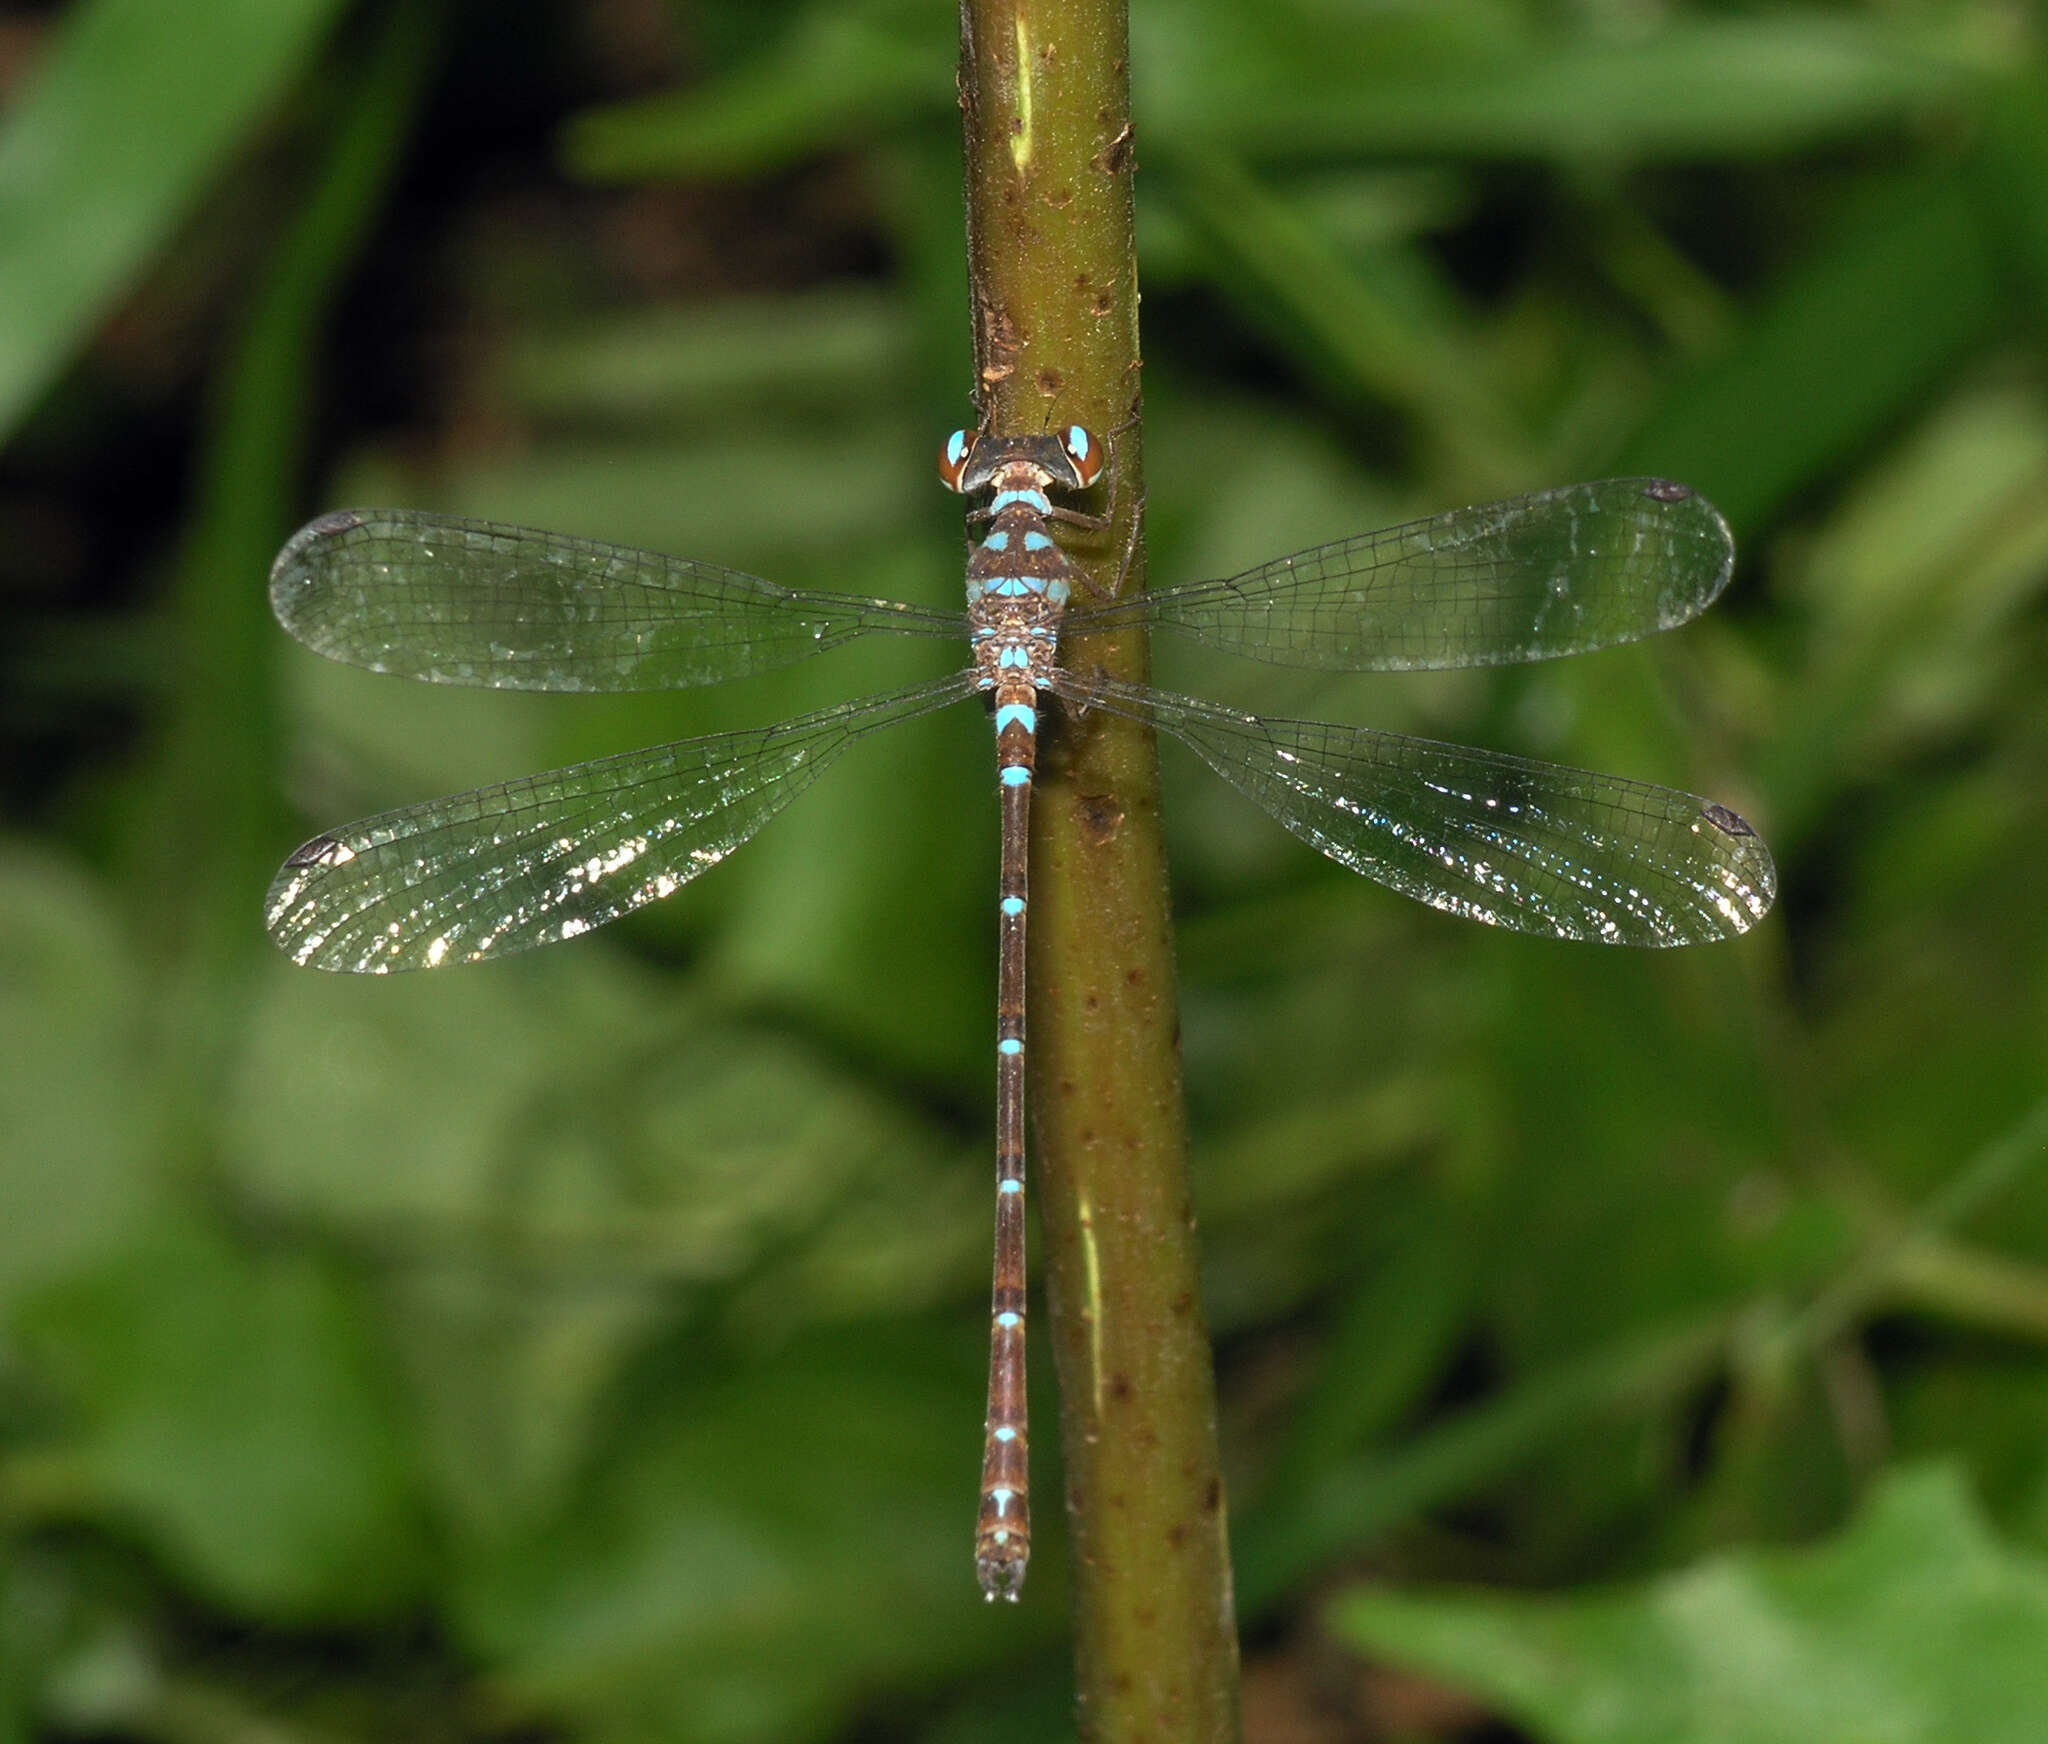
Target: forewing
<point>1532,846</point>
<point>1534,578</point>
<point>472,602</point>
<point>527,862</point>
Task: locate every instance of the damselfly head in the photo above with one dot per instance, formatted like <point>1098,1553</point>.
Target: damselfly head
<point>972,461</point>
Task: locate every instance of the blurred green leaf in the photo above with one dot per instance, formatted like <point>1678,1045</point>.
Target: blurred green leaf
<point>1914,1627</point>
<point>2011,173</point>
<point>797,353</point>
<point>749,1562</point>
<point>718,492</point>
<point>1642,1150</point>
<point>1312,82</point>
<point>1479,81</point>
<point>568,1122</point>
<point>76,1112</point>
<point>1863,329</point>
<point>1992,1410</point>
<point>840,70</point>
<point>551,1159</point>
<point>233,1406</point>
<point>1911,594</point>
<point>1382,324</point>
<point>1354,1502</point>
<point>1355,210</point>
<point>134,110</point>
<point>1395,1335</point>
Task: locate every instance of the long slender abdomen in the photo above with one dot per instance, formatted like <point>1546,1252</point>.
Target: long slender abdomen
<point>1002,1539</point>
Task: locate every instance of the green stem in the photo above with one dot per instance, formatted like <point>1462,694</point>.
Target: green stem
<point>1974,1287</point>
<point>1045,93</point>
<point>1902,1256</point>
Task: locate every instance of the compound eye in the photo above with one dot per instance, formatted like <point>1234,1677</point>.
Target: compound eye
<point>1084,451</point>
<point>954,456</point>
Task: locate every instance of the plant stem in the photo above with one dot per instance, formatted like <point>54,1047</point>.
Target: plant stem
<point>1045,94</point>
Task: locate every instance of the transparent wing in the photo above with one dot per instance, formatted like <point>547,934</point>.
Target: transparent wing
<point>505,868</point>
<point>471,602</point>
<point>1505,840</point>
<point>1533,578</point>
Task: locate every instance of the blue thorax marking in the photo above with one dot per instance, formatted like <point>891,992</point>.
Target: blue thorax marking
<point>1000,541</point>
<point>1033,541</point>
<point>1032,498</point>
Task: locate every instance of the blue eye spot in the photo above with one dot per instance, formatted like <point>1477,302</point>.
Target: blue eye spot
<point>1077,441</point>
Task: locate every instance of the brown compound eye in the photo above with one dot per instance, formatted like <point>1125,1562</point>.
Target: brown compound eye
<point>954,456</point>
<point>1084,451</point>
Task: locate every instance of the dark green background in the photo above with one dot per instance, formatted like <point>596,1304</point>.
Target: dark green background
<point>587,1347</point>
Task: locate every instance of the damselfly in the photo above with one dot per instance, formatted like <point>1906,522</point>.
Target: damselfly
<point>1501,839</point>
